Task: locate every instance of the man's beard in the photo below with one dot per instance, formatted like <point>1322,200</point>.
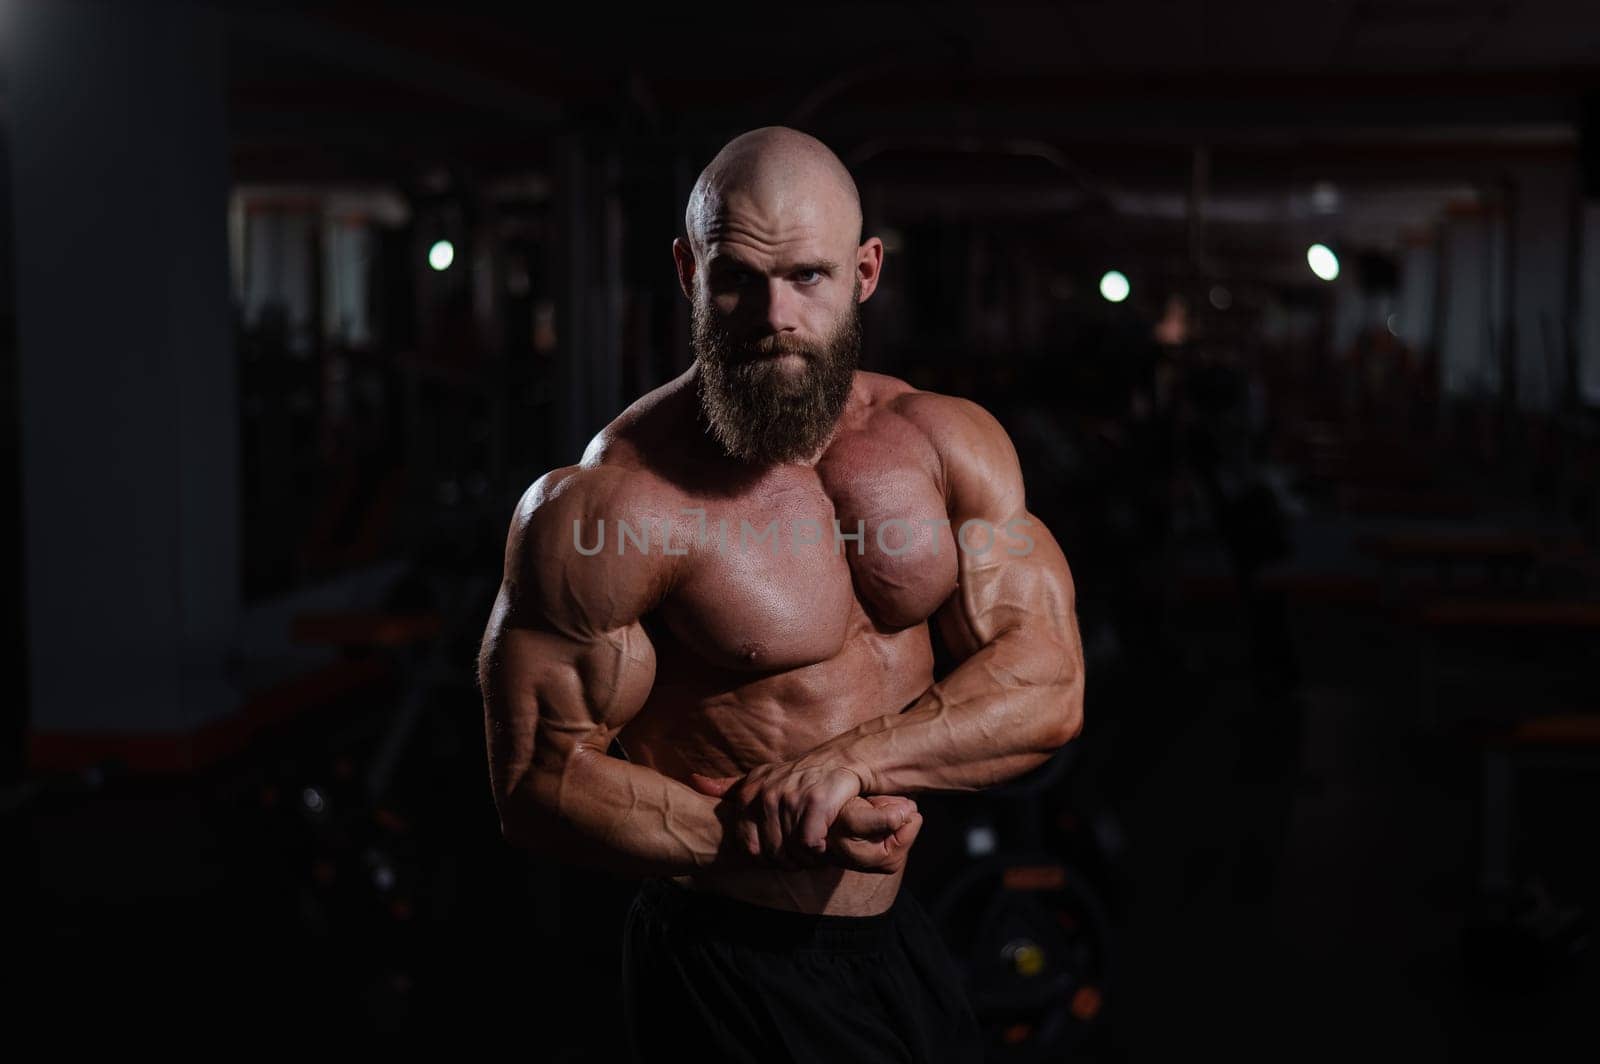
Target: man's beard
<point>757,410</point>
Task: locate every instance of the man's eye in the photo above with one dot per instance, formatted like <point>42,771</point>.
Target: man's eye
<point>808,276</point>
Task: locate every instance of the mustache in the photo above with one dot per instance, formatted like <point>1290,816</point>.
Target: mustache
<point>770,346</point>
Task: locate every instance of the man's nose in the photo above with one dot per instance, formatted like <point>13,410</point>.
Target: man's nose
<point>782,305</point>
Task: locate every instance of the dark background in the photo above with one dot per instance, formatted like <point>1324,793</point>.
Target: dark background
<point>1334,540</point>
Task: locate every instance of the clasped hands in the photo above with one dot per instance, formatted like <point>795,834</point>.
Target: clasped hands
<point>805,813</point>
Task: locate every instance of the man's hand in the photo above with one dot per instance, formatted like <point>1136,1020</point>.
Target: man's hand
<point>796,815</point>
<point>861,839</point>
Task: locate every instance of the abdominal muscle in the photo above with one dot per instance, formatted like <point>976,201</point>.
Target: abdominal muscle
<point>827,891</point>
<point>720,724</point>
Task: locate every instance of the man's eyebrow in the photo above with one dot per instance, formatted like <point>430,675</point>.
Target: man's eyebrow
<point>818,266</point>
<point>728,261</point>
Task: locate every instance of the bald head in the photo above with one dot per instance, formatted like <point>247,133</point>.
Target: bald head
<point>782,175</point>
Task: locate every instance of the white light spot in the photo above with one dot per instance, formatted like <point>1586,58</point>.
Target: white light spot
<point>441,255</point>
<point>1323,262</point>
<point>980,841</point>
<point>1114,286</point>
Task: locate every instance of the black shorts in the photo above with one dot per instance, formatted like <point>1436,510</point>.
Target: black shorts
<point>709,978</point>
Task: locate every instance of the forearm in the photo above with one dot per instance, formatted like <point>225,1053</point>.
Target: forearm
<point>1001,713</point>
<point>593,809</point>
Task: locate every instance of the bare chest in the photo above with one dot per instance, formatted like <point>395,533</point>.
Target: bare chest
<point>782,574</point>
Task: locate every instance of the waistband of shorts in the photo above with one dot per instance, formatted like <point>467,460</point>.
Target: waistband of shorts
<point>744,923</point>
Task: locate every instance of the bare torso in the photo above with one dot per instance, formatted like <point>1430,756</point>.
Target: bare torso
<point>773,635</point>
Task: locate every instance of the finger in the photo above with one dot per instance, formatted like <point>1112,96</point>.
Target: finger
<point>877,816</point>
<point>886,854</point>
<point>801,855</point>
<point>750,836</point>
<point>771,825</point>
<point>716,787</point>
<point>900,809</point>
<point>863,855</point>
<point>792,813</point>
<point>791,806</point>
<point>806,839</point>
<point>823,805</point>
<point>814,823</point>
<point>748,794</point>
<point>874,818</point>
<point>907,834</point>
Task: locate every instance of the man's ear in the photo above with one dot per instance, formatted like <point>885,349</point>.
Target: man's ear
<point>683,258</point>
<point>869,266</point>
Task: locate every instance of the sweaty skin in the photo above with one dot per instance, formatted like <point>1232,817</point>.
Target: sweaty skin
<point>770,683</point>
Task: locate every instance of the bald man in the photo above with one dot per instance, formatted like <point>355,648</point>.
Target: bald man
<point>736,584</point>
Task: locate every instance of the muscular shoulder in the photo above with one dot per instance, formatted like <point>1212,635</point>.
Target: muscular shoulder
<point>562,568</point>
<point>978,463</point>
<point>952,423</point>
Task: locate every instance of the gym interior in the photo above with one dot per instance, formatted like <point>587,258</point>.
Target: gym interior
<point>1292,312</point>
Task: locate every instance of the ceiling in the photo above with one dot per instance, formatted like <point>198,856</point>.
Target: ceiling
<point>1123,67</point>
<point>1402,106</point>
